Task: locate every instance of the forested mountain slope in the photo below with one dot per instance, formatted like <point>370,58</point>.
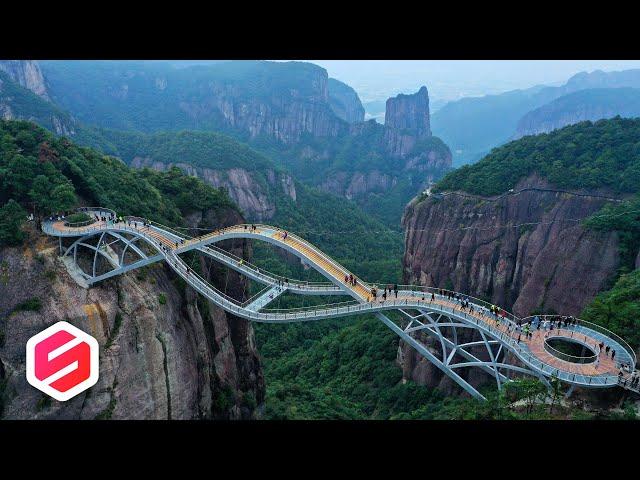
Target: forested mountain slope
<point>165,353</point>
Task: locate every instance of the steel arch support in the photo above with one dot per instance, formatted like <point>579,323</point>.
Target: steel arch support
<point>492,357</point>
<point>461,348</point>
<point>128,244</point>
<point>126,268</point>
<point>432,358</point>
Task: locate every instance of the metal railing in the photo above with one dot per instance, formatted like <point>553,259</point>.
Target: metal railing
<point>595,327</point>
<point>265,275</point>
<point>416,297</point>
<point>565,356</point>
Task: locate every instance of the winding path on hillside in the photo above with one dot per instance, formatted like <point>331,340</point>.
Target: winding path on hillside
<point>499,346</point>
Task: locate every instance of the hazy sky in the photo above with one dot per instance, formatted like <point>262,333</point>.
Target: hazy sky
<point>452,79</point>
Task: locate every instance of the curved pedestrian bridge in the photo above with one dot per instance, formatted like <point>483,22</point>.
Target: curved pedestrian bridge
<point>503,346</point>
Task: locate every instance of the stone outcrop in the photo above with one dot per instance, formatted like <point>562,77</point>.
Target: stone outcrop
<point>409,113</point>
<point>243,186</point>
<point>285,116</point>
<point>358,183</point>
<point>411,152</point>
<point>19,80</point>
<point>345,102</point>
<point>525,252</point>
<point>406,120</point>
<point>27,74</point>
<point>164,352</point>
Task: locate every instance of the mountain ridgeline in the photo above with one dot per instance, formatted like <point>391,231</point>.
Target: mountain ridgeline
<point>251,179</point>
<point>591,104</point>
<point>473,126</point>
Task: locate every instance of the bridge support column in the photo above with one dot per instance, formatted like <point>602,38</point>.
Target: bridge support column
<point>422,350</point>
<point>570,391</point>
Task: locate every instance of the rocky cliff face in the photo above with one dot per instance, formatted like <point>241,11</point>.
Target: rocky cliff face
<point>409,113</point>
<point>525,252</point>
<point>19,80</point>
<point>345,102</point>
<point>405,140</point>
<point>406,121</point>
<point>244,187</point>
<point>285,118</point>
<point>182,358</point>
<point>353,185</point>
<point>27,74</point>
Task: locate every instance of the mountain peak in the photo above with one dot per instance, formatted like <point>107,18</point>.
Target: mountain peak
<point>409,113</point>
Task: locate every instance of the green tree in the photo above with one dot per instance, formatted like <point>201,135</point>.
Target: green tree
<point>11,217</point>
<point>63,197</point>
<point>556,392</point>
<point>40,193</point>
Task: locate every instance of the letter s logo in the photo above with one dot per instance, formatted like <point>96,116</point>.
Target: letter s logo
<point>62,361</point>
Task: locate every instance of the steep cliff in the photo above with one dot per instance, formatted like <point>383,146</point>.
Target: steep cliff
<point>409,113</point>
<point>27,74</point>
<point>591,104</point>
<point>19,102</point>
<point>541,224</point>
<point>164,352</point>
<point>527,252</point>
<point>252,179</point>
<point>406,121</point>
<point>280,101</point>
<point>248,189</point>
<point>395,160</point>
<point>345,102</point>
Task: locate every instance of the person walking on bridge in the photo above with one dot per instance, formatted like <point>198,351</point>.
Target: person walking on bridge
<point>395,289</point>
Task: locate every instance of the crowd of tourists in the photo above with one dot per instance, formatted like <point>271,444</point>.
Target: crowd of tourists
<point>387,291</point>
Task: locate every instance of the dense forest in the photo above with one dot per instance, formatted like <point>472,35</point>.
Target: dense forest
<point>587,155</point>
<point>200,149</point>
<point>44,174</point>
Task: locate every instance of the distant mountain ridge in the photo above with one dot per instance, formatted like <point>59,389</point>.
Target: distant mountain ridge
<point>590,104</point>
<point>473,126</point>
